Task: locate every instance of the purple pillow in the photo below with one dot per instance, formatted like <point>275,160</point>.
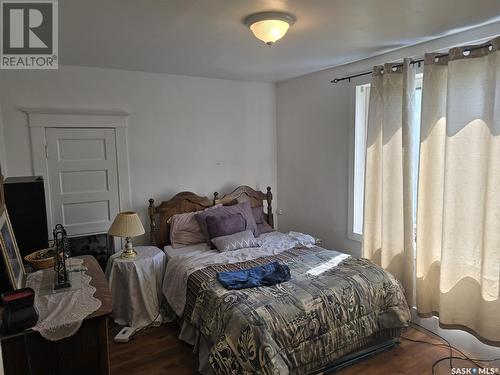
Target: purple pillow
<point>219,226</point>
<point>258,214</point>
<point>241,208</point>
<point>262,225</point>
<point>264,228</point>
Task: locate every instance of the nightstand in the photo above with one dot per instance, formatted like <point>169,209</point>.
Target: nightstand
<point>136,286</point>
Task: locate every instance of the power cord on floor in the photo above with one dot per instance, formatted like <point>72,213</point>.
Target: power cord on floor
<point>441,338</point>
<point>451,357</point>
<point>150,324</point>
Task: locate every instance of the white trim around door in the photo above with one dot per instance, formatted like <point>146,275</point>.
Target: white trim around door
<point>41,120</point>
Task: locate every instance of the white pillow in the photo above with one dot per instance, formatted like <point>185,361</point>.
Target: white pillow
<point>235,241</point>
<point>185,230</point>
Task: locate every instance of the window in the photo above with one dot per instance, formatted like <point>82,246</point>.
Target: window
<point>358,155</point>
<point>360,123</point>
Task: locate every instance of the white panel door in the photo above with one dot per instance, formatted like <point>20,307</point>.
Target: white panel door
<point>82,171</point>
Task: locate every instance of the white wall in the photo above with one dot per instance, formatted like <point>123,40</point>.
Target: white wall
<point>184,133</point>
<point>314,124</point>
<point>3,161</point>
<point>314,119</point>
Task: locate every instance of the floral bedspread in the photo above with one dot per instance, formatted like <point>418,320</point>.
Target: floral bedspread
<point>332,305</point>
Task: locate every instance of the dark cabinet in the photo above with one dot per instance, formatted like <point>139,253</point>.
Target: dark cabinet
<point>25,201</point>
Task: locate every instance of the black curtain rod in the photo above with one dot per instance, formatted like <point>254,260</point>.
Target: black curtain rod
<point>336,80</point>
<point>419,62</point>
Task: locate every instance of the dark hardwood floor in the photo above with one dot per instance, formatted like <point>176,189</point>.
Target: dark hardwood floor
<point>156,351</point>
<point>153,351</point>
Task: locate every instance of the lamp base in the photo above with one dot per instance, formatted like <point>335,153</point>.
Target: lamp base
<point>128,251</point>
<point>128,254</point>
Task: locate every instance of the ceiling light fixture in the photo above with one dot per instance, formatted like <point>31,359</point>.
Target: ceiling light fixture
<point>269,26</point>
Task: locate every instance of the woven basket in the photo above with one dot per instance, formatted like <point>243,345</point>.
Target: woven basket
<point>36,261</point>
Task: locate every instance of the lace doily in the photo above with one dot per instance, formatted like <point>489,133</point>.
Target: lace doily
<point>61,314</point>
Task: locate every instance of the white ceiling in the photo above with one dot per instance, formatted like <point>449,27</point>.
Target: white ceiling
<point>207,37</point>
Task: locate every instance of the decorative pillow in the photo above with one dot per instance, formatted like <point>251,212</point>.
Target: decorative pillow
<point>184,229</point>
<point>258,214</point>
<point>235,241</point>
<point>262,225</point>
<point>219,226</point>
<point>241,208</point>
<point>264,228</point>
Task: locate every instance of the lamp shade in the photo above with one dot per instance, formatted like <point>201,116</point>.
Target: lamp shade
<point>126,224</point>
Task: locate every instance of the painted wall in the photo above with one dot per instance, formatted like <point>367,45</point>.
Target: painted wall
<point>3,161</point>
<point>184,133</point>
<point>314,129</point>
<point>314,126</point>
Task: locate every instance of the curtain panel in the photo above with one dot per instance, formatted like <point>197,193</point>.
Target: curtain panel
<point>388,199</point>
<point>458,220</point>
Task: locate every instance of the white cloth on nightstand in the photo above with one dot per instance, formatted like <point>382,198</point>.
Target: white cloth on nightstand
<point>136,286</point>
<point>61,313</point>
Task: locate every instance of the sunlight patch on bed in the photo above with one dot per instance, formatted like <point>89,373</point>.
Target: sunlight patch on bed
<point>327,265</point>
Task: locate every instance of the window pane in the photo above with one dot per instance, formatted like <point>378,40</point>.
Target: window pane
<point>416,154</point>
<point>362,101</point>
<point>361,122</point>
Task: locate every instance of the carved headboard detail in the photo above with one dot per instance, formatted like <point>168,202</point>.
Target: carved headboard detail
<point>246,193</point>
<point>185,201</point>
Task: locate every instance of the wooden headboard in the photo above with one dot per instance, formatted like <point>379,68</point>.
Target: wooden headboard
<point>187,201</point>
<point>246,193</point>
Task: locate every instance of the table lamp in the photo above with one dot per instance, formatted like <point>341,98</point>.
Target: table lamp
<point>128,225</point>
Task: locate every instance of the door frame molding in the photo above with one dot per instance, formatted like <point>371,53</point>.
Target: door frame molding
<point>40,119</point>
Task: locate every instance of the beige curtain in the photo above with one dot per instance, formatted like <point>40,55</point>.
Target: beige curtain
<point>388,208</point>
<point>458,221</point>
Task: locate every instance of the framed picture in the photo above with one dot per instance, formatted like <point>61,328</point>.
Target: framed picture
<point>10,252</point>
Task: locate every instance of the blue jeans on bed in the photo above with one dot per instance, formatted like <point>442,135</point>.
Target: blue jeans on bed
<point>266,275</point>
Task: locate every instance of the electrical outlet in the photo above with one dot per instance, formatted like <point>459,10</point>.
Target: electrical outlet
<point>279,211</point>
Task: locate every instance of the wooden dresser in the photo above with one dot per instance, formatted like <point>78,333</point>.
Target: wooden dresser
<point>86,352</point>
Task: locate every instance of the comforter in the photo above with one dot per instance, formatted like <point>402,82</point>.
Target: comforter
<point>332,305</point>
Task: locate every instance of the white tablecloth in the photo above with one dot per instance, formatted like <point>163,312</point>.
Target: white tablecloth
<point>61,313</point>
<point>136,286</point>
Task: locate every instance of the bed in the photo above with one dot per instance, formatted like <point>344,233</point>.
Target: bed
<point>334,309</point>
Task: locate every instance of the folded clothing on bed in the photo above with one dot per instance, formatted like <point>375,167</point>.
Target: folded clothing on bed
<point>266,275</point>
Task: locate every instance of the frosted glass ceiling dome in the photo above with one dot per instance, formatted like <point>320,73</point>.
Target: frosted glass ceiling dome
<point>269,26</point>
